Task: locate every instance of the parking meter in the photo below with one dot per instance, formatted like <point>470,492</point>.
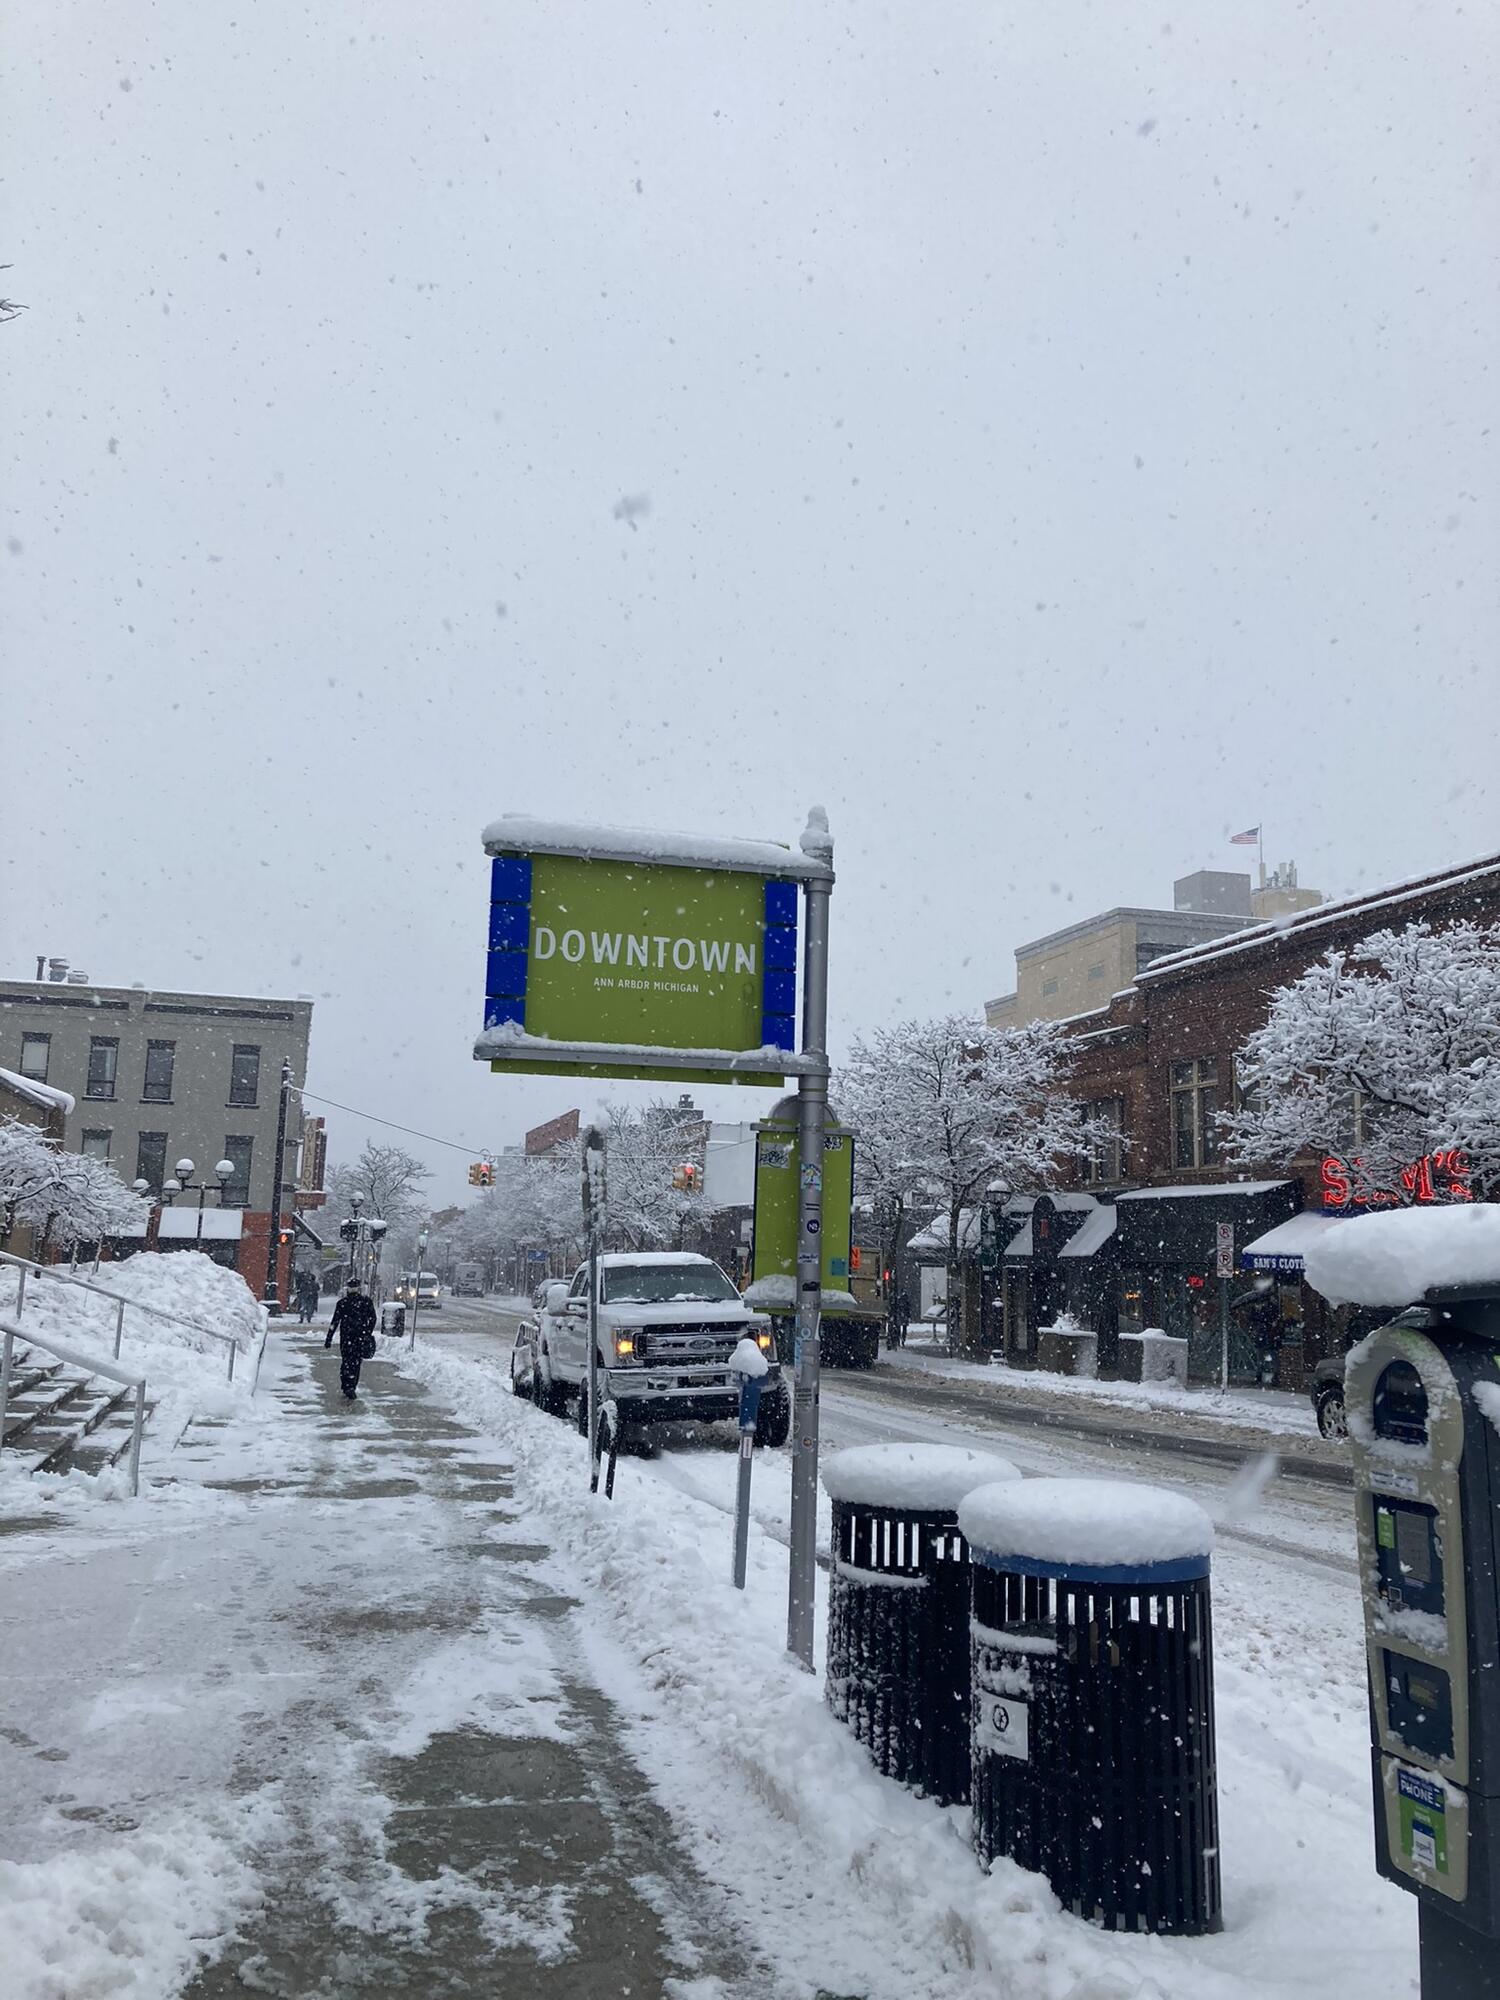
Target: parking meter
<point>1423,1399</point>
<point>751,1366</point>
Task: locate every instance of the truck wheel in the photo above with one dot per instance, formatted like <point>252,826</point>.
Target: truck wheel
<point>550,1396</point>
<point>1332,1421</point>
<point>773,1420</point>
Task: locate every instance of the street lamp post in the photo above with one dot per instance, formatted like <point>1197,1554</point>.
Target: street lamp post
<point>416,1290</point>
<point>185,1184</point>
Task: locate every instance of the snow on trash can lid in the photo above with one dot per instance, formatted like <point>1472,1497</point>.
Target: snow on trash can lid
<point>1068,1527</point>
<point>923,1476</point>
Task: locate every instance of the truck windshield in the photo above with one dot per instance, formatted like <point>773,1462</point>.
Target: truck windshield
<point>657,1284</point>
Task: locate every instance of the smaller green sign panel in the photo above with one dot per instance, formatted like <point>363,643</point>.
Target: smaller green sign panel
<point>778,1182</point>
<point>638,956</point>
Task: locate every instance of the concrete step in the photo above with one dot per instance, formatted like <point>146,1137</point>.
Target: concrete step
<point>47,1396</point>
<point>109,1441</point>
<point>51,1447</point>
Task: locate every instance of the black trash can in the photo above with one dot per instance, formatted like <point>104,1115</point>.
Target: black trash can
<point>898,1607</point>
<point>1093,1738</point>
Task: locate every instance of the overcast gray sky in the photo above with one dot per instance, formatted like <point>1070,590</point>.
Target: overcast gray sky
<point>1069,435</point>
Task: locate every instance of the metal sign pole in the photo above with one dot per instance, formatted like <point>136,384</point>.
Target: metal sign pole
<point>812,1110</point>
<point>593,1211</point>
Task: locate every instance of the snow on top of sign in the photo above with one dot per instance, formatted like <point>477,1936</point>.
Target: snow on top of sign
<point>520,833</point>
<point>1391,1259</point>
<point>38,1093</point>
<point>510,1043</point>
<point>1101,1523</point>
<point>911,1475</point>
<point>778,1294</point>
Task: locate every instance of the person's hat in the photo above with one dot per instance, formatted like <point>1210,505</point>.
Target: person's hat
<point>353,1285</point>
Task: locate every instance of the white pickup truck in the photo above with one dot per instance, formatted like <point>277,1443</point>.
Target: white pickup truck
<point>668,1323</point>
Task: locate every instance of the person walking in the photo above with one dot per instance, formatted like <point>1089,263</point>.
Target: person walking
<point>307,1296</point>
<point>354,1323</point>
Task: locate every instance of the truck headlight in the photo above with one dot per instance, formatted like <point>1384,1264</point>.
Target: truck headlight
<point>624,1347</point>
<point>764,1342</point>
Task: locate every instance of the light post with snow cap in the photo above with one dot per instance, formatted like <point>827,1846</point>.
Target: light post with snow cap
<point>185,1184</point>
<point>416,1290</point>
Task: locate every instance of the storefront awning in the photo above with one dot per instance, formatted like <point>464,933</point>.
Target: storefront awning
<point>1178,1227</point>
<point>1095,1233</point>
<point>1282,1248</point>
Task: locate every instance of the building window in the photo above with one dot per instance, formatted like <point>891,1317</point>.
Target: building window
<point>237,1150</point>
<point>1102,1166</point>
<point>1096,972</point>
<point>160,1059</point>
<point>1195,1104</point>
<point>104,1055</point>
<point>35,1051</point>
<point>96,1145</point>
<point>151,1159</point>
<point>1049,987</point>
<point>244,1073</point>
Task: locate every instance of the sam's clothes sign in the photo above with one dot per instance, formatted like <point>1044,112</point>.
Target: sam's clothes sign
<point>1437,1178</point>
<point>641,954</point>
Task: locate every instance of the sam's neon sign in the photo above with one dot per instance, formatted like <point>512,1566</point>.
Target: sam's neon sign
<point>1434,1179</point>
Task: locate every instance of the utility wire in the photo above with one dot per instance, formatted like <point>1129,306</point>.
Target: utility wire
<point>474,1152</point>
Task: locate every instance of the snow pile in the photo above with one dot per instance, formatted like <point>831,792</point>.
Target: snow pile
<point>1099,1523</point>
<point>778,1294</point>
<point>1391,1259</point>
<point>204,1298</point>
<point>911,1475</point>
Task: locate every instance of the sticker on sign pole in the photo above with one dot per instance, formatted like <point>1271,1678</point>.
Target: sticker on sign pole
<point>812,1177</point>
<point>814,1224</point>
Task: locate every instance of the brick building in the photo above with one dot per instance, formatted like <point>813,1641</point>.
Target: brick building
<point>1158,1062</point>
<point>154,1077</point>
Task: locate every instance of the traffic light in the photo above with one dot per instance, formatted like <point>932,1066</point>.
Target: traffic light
<point>685,1178</point>
<point>481,1174</point>
<point>284,1236</point>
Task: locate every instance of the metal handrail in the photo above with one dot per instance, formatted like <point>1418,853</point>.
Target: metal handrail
<point>122,1299</point>
<point>75,1358</point>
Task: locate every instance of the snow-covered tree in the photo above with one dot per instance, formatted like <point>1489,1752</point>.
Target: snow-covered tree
<point>1384,1053</point>
<point>389,1178</point>
<point>65,1198</point>
<point>948,1108</point>
<point>647,1150</point>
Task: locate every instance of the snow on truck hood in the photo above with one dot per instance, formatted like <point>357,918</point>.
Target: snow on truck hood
<point>703,1312</point>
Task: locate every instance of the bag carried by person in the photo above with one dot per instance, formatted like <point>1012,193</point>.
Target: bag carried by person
<point>367,1347</point>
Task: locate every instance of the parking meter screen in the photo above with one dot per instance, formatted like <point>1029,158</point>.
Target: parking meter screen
<point>1410,1556</point>
<point>1419,1701</point>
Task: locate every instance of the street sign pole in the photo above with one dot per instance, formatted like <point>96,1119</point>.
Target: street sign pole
<point>593,1210</point>
<point>1224,1266</point>
<point>812,1110</point>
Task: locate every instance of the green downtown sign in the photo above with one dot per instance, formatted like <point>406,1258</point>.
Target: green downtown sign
<point>597,962</point>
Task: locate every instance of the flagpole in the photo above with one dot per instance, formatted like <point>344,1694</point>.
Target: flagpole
<point>1260,852</point>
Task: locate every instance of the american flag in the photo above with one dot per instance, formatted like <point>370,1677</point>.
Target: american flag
<point>1246,839</point>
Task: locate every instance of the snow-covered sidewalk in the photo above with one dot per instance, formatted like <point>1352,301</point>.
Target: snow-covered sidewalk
<point>382,1699</point>
<point>1272,1413</point>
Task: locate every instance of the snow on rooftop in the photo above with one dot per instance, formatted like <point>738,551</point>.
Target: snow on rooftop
<point>1392,1259</point>
<point>1371,901</point>
<point>45,1094</point>
<point>911,1475</point>
<point>1207,1189</point>
<point>1096,1523</point>
<point>933,1239</point>
<point>615,1259</point>
<point>520,833</point>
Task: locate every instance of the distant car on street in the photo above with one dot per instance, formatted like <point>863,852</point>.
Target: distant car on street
<point>1325,1385</point>
<point>420,1288</point>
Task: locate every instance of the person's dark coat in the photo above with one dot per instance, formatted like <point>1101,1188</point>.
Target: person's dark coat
<point>353,1318</point>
